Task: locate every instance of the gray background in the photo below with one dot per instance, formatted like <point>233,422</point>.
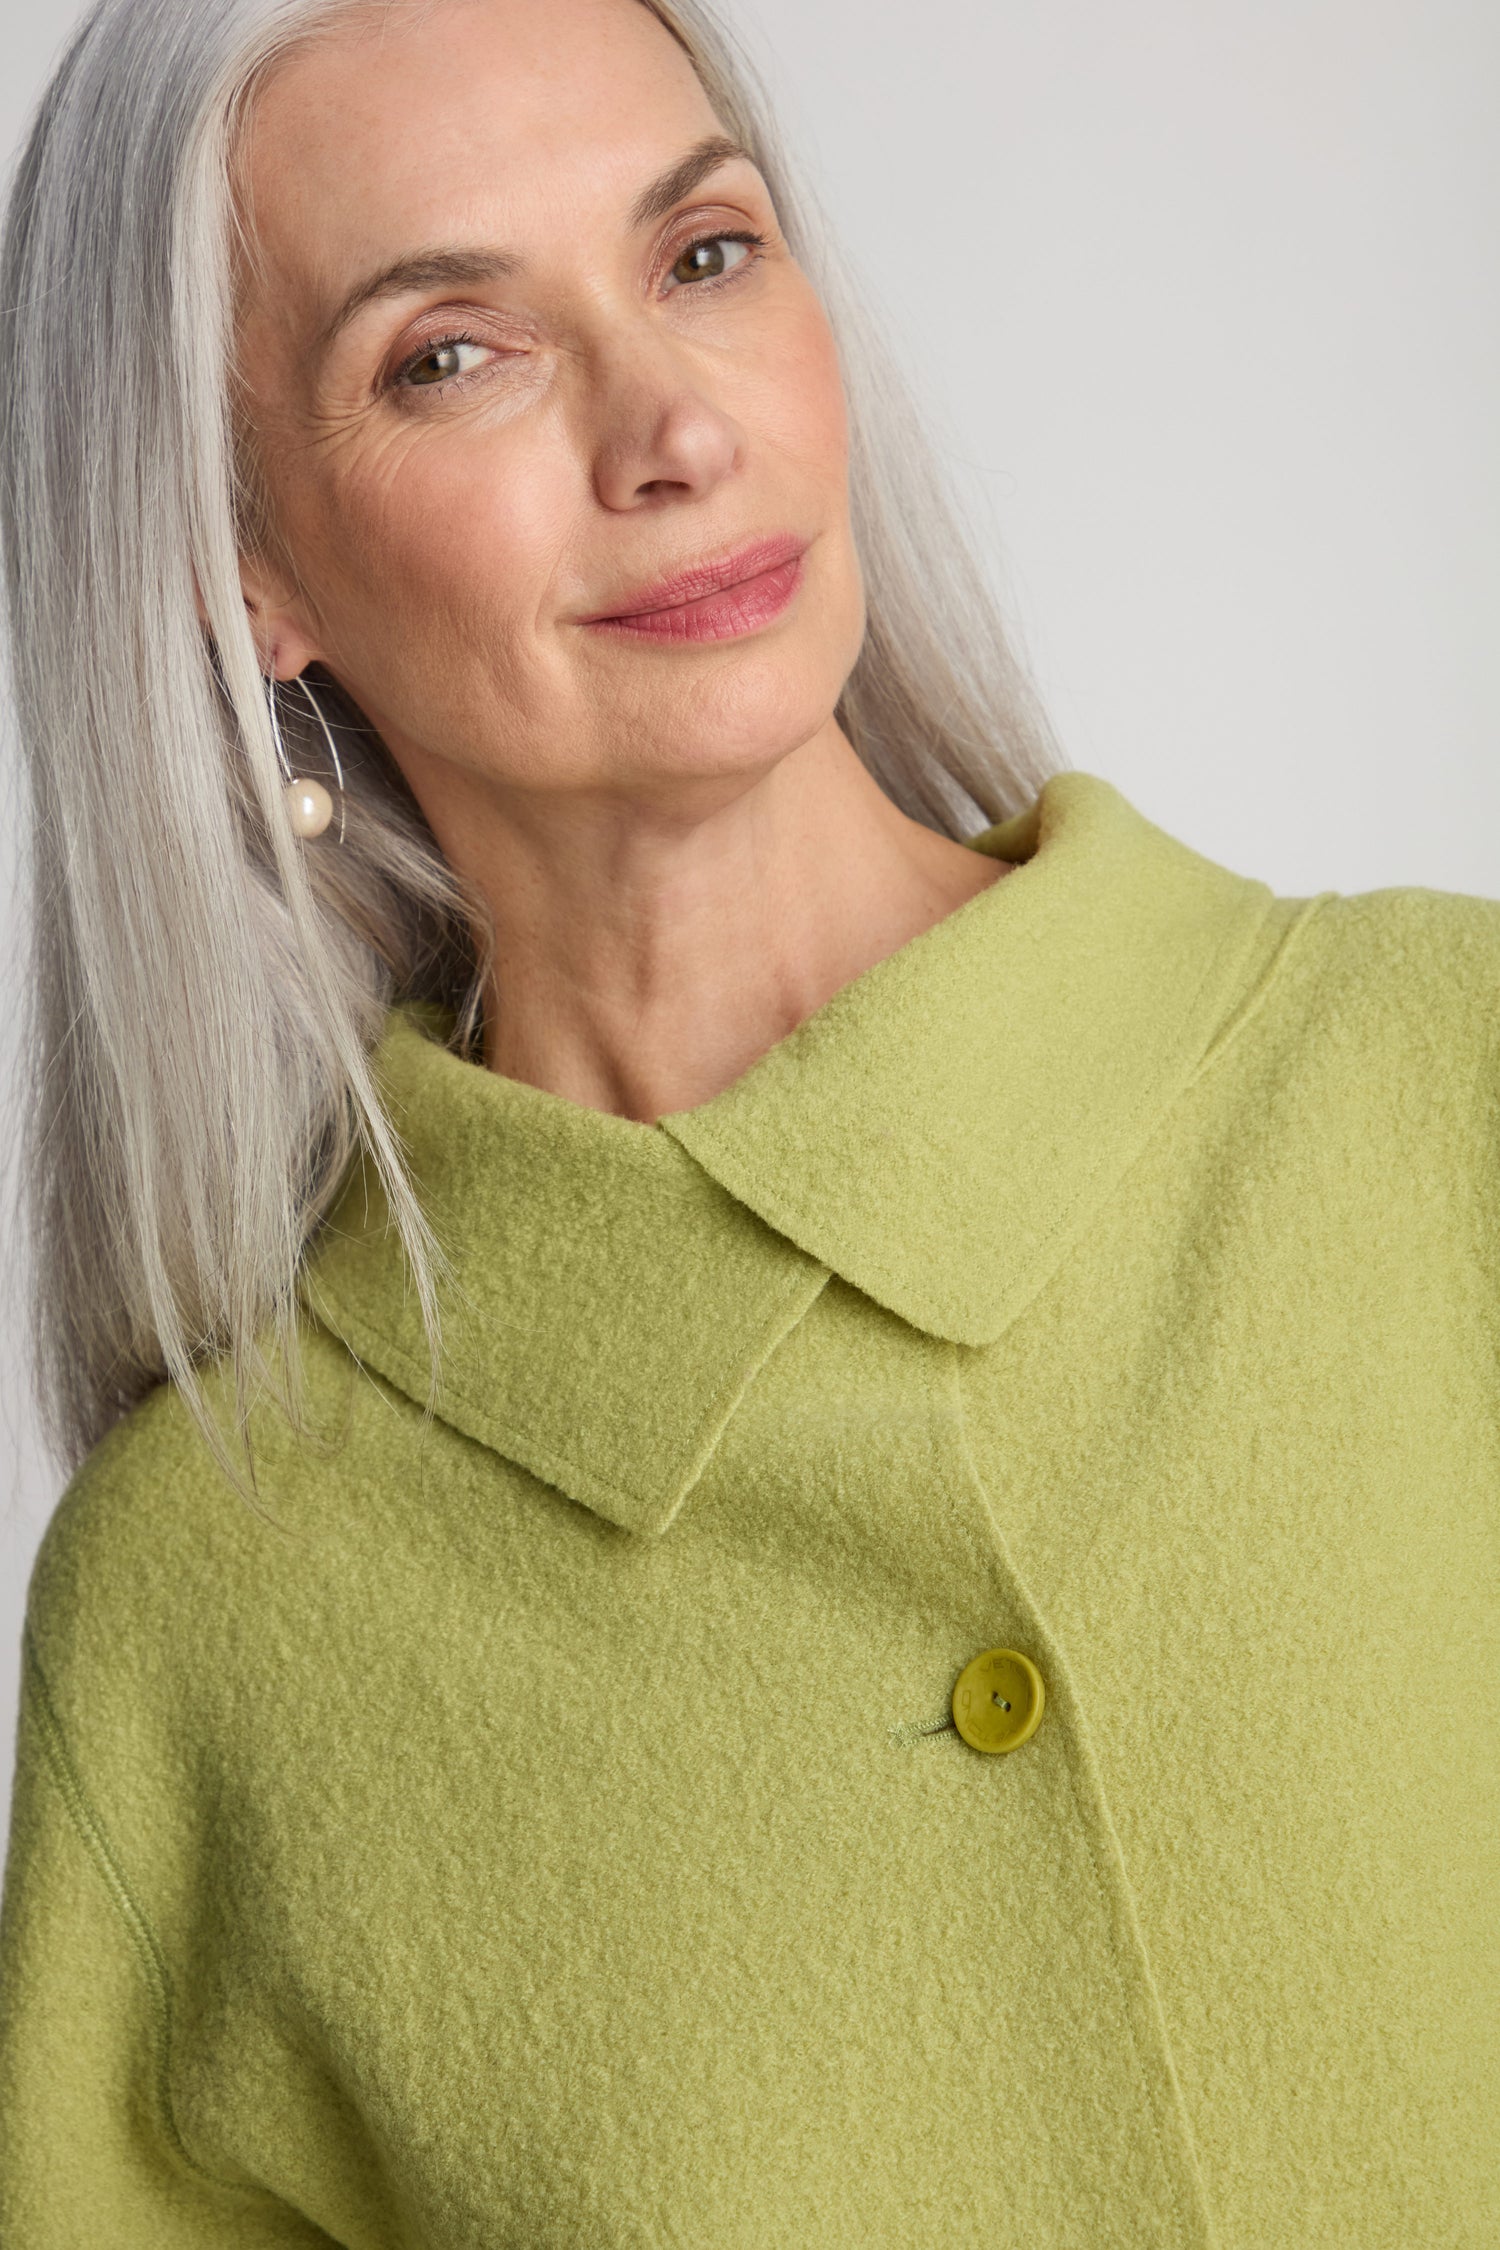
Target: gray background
<point>1205,298</point>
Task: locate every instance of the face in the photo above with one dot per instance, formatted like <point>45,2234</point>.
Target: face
<point>524,341</point>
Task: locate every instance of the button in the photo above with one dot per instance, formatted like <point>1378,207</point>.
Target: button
<point>997,1700</point>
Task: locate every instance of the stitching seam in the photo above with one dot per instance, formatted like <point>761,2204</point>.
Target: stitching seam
<point>1168,2172</point>
<point>1270,977</point>
<point>143,1943</point>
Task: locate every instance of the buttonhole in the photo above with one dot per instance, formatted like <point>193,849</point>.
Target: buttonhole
<point>916,1730</point>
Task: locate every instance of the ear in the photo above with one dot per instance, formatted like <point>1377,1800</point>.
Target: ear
<point>282,640</point>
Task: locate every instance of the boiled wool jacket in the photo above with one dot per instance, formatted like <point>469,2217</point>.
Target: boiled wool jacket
<point>925,1678</point>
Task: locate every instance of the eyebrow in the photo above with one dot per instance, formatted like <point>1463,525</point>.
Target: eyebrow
<point>680,179</point>
<point>438,269</point>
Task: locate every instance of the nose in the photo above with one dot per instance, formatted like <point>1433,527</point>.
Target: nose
<point>661,435</point>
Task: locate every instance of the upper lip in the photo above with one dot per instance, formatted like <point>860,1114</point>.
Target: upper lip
<point>708,577</point>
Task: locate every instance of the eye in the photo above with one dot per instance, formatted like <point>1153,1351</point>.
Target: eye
<point>706,259</point>
<point>440,361</point>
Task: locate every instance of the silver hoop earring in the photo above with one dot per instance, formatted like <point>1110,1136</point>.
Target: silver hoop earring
<point>333,749</point>
<point>309,806</point>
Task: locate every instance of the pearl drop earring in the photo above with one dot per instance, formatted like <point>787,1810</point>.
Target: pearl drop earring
<point>309,807</point>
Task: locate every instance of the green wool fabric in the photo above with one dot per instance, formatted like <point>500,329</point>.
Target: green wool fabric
<point>543,1826</point>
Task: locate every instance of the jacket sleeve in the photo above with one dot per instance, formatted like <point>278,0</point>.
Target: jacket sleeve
<point>88,2152</point>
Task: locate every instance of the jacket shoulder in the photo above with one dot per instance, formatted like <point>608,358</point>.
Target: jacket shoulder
<point>150,1537</point>
<point>1410,972</point>
<point>1373,1031</point>
<point>1409,920</point>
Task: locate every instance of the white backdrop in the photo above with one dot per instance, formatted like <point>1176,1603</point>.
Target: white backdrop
<point>1205,299</point>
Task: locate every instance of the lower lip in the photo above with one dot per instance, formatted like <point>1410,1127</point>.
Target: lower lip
<point>714,617</point>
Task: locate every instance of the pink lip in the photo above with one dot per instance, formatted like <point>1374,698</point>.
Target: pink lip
<point>728,595</point>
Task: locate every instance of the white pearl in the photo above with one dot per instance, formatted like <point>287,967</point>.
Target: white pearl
<point>309,807</point>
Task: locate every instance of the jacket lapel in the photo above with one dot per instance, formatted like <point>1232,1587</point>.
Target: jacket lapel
<point>607,1301</point>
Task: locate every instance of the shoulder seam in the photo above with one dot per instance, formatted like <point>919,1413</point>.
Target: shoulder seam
<point>143,1942</point>
<point>1270,975</point>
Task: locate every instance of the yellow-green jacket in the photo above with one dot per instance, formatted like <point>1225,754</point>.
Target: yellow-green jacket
<point>551,1832</point>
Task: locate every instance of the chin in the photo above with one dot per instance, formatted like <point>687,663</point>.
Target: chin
<point>740,722</point>
<point>745,702</point>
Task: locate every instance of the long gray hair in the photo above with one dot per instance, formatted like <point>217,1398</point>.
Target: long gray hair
<point>204,989</point>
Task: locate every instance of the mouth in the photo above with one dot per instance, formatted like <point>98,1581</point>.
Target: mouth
<point>718,599</point>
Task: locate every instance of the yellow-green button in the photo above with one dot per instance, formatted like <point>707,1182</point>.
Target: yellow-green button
<point>997,1700</point>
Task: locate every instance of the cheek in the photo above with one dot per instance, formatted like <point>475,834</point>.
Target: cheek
<point>826,408</point>
<point>790,398</point>
<point>814,427</point>
<point>430,539</point>
<point>798,404</point>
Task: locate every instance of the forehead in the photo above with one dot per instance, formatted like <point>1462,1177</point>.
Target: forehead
<point>458,120</point>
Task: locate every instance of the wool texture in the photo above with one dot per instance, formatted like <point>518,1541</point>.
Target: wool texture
<point>543,1827</point>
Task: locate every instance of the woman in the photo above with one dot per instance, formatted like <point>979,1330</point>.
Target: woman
<point>785,1514</point>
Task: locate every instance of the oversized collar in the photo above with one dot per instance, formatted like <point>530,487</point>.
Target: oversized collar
<point>937,1134</point>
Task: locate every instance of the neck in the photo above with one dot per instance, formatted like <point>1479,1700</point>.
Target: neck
<point>646,952</point>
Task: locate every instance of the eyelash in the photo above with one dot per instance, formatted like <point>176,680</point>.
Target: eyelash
<point>442,343</point>
<point>756,242</point>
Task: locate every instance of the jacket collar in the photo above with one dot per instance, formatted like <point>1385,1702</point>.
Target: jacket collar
<point>937,1133</point>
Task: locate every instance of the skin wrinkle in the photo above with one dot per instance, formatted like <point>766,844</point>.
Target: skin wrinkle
<point>679,848</point>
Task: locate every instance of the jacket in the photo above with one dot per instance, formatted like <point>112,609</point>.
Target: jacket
<point>925,1677</point>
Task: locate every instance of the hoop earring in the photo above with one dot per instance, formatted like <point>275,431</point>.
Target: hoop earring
<point>333,749</point>
<point>309,807</point>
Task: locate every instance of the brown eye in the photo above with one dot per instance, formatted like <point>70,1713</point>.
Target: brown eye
<point>450,356</point>
<point>716,254</point>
